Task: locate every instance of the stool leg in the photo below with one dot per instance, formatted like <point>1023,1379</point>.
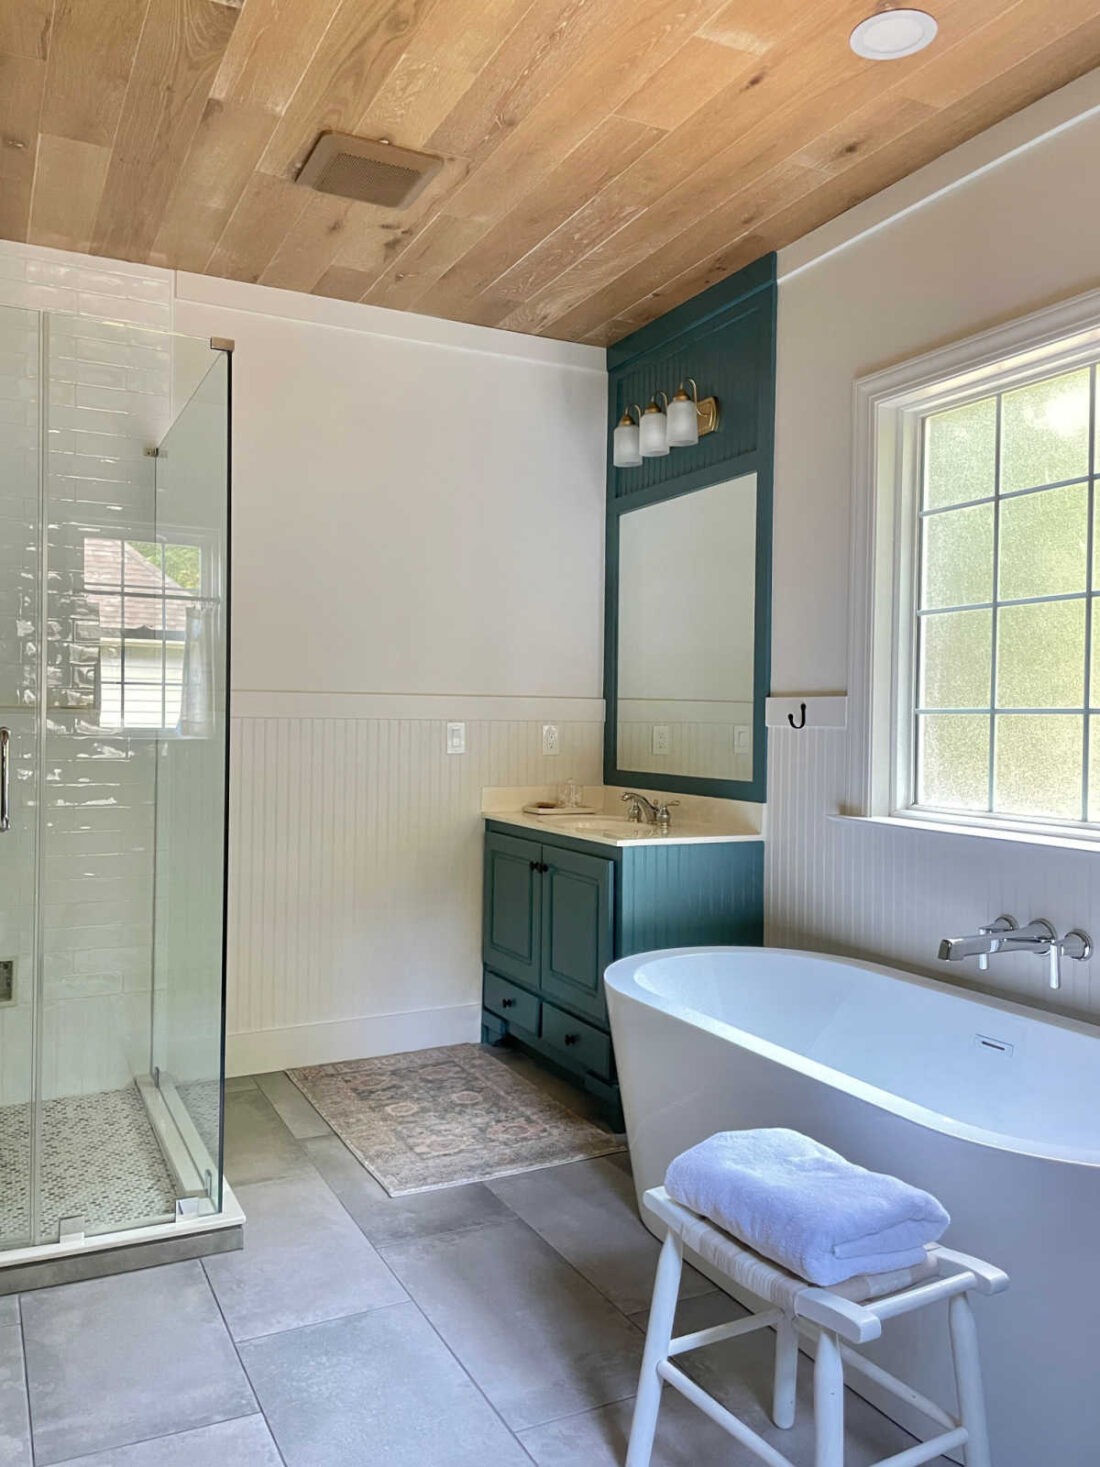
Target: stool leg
<point>786,1372</point>
<point>828,1403</point>
<point>968,1380</point>
<point>662,1312</point>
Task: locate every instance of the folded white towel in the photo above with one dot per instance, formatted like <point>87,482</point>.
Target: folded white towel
<point>804,1206</point>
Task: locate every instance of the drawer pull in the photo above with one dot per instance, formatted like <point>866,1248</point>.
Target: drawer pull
<point>507,1003</point>
<point>572,1038</point>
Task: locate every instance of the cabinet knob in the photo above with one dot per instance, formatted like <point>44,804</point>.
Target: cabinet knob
<point>538,866</point>
<point>572,1038</point>
<point>507,1003</point>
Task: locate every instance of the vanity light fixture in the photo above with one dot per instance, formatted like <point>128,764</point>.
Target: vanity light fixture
<point>653,429</point>
<point>626,453</point>
<point>893,32</point>
<point>679,424</point>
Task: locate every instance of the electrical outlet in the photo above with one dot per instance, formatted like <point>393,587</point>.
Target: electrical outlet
<point>741,736</point>
<point>662,739</point>
<point>551,740</point>
<point>456,738</point>
<point>7,980</point>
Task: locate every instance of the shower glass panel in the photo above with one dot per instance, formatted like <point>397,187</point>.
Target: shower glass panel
<point>20,620</point>
<point>115,453</point>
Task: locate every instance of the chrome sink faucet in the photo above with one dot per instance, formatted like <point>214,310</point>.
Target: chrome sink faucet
<point>644,809</point>
<point>1005,935</point>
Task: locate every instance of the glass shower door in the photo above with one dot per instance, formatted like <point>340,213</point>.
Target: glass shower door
<point>188,999</point>
<point>20,647</point>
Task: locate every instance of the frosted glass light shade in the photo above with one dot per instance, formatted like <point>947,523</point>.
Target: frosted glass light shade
<point>626,453</point>
<point>683,423</point>
<point>653,433</point>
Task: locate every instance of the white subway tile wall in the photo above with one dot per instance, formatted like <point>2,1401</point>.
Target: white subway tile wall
<point>109,385</point>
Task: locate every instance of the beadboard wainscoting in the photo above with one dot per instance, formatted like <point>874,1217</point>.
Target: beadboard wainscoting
<point>356,857</point>
<point>889,894</point>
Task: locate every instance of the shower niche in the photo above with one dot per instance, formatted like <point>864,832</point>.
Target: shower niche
<point>114,621</point>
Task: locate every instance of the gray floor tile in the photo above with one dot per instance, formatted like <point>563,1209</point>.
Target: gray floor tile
<point>685,1438</point>
<point>9,1309</point>
<point>587,1211</point>
<point>245,1442</point>
<point>15,1429</point>
<point>378,1389</point>
<point>295,1111</point>
<point>119,1360</point>
<point>386,1219</point>
<point>537,1338</point>
<point>258,1147</point>
<point>240,1082</point>
<point>303,1261</point>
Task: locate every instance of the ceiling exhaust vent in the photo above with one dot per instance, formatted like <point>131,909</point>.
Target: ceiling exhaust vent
<point>367,171</point>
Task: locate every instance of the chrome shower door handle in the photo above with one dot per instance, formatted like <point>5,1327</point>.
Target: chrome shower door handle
<point>5,779</point>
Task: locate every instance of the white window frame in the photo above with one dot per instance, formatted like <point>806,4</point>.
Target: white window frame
<point>889,407</point>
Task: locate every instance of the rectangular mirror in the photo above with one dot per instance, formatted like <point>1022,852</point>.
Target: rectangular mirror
<point>684,686</point>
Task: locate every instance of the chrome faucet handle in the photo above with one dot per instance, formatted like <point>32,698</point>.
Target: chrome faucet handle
<point>1076,944</point>
<point>1004,923</point>
<point>662,816</point>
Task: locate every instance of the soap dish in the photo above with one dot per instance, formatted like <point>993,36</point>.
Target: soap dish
<point>547,807</point>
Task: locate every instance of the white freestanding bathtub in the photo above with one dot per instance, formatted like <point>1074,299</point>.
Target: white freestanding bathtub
<point>990,1106</point>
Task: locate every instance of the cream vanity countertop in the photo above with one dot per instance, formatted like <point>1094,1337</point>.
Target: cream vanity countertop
<point>695,821</point>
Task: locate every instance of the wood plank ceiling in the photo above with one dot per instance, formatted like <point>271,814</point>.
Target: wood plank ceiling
<point>603,161</point>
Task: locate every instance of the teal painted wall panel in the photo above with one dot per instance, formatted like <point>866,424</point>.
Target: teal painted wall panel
<point>692,896</point>
<point>725,339</point>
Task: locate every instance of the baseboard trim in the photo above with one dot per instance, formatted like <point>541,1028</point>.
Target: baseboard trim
<point>263,1050</point>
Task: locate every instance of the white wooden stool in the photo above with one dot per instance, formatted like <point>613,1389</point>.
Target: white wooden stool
<point>838,1317</point>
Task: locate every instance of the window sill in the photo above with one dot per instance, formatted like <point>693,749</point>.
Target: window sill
<point>1009,834</point>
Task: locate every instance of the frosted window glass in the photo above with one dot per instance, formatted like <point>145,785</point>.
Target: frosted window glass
<point>960,452</point>
<point>1044,539</point>
<point>1045,432</point>
<point>958,557</point>
<point>1038,765</point>
<point>953,760</point>
<point>1041,655</point>
<point>956,659</point>
<point>1094,769</point>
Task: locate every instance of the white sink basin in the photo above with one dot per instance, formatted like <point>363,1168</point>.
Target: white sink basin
<point>612,826</point>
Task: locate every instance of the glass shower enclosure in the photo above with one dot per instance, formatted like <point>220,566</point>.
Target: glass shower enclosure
<point>114,611</point>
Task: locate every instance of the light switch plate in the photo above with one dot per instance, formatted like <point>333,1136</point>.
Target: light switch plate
<point>456,738</point>
<point>662,739</point>
<point>551,740</point>
<point>741,732</point>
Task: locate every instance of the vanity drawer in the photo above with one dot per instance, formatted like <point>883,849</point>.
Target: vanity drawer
<point>509,1002</point>
<point>578,1041</point>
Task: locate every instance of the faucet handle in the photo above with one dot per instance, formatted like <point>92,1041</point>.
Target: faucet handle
<point>1004,923</point>
<point>1076,944</point>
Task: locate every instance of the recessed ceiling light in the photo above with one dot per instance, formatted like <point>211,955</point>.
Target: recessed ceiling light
<point>889,33</point>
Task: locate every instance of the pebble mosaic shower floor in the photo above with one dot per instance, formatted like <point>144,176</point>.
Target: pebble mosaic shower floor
<point>99,1157</point>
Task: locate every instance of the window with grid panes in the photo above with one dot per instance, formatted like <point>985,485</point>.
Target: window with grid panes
<point>1007,697</point>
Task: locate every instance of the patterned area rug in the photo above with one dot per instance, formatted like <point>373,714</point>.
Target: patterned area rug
<point>441,1117</point>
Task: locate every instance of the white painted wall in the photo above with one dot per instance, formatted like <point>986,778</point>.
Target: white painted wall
<point>998,243</point>
<point>418,537</point>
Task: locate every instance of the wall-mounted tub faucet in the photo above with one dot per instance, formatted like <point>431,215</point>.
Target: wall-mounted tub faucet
<point>1005,935</point>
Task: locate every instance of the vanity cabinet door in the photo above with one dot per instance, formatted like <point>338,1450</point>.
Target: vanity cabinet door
<point>577,928</point>
<point>513,898</point>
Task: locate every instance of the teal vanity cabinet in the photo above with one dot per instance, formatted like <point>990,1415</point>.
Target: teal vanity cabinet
<point>558,909</point>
